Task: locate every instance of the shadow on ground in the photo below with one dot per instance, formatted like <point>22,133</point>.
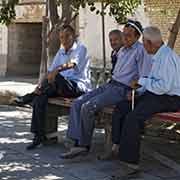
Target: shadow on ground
<point>16,163</point>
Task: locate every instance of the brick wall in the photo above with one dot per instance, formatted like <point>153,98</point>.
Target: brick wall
<point>162,13</point>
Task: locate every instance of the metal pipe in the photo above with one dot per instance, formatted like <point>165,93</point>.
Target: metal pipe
<point>103,35</point>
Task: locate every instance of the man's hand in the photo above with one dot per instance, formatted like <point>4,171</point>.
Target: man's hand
<point>51,76</point>
<point>129,96</point>
<point>135,85</point>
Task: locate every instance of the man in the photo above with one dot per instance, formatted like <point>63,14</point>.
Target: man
<point>67,77</point>
<point>115,39</point>
<point>130,65</point>
<point>162,95</point>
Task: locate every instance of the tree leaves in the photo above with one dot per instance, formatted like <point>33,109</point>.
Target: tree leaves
<point>119,9</point>
<point>7,11</point>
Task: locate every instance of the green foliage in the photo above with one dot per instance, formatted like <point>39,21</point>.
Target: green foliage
<point>119,9</point>
<point>7,11</point>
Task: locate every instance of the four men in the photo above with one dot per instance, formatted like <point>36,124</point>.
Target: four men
<point>157,73</point>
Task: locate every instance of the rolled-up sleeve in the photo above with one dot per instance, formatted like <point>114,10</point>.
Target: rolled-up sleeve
<point>79,56</point>
<point>55,62</point>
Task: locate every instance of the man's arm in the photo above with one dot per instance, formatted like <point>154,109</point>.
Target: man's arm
<point>51,75</point>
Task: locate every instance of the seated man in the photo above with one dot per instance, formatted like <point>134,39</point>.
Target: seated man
<point>115,39</point>
<point>68,76</point>
<point>162,95</point>
<point>130,65</point>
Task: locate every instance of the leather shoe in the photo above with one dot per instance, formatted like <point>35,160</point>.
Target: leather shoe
<point>37,142</point>
<point>75,151</point>
<point>22,100</point>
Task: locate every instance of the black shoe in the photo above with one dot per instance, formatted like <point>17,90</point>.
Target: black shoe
<point>37,141</point>
<point>22,100</point>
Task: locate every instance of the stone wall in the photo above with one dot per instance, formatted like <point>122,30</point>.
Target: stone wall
<point>24,48</point>
<point>3,50</point>
<point>162,13</point>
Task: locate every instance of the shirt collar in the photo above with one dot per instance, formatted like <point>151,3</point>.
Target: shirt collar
<point>133,46</point>
<point>159,52</point>
<point>74,46</point>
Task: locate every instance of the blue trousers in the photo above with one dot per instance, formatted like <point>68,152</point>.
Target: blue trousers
<point>81,118</point>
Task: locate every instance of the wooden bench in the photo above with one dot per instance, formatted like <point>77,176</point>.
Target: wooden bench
<point>60,106</point>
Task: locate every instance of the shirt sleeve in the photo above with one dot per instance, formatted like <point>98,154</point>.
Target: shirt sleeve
<point>55,63</point>
<point>161,80</point>
<point>79,56</point>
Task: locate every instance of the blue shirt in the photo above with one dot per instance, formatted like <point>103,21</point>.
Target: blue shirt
<point>80,73</point>
<point>164,77</point>
<point>132,63</point>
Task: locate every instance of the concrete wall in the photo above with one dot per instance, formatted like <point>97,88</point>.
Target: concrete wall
<point>24,48</point>
<point>3,50</point>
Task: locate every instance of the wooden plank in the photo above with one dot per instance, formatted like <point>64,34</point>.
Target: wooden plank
<point>167,116</point>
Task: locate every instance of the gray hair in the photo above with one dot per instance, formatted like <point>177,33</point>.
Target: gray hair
<point>116,32</point>
<point>153,34</point>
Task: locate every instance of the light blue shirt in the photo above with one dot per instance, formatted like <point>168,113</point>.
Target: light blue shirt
<point>164,77</point>
<point>132,63</point>
<point>80,73</point>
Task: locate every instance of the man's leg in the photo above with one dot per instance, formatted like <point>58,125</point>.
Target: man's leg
<point>118,116</point>
<point>133,123</point>
<point>110,96</point>
<point>74,123</point>
<point>37,123</point>
<point>39,105</point>
<point>81,123</point>
<point>67,88</point>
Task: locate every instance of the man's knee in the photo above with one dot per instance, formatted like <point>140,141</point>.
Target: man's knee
<point>88,108</point>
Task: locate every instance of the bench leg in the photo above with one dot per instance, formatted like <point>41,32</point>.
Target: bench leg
<point>108,143</point>
<point>108,138</point>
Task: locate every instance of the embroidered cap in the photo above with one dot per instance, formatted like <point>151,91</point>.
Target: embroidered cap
<point>136,25</point>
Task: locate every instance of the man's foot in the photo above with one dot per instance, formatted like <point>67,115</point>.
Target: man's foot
<point>111,154</point>
<point>37,142</point>
<point>75,151</point>
<point>19,101</point>
<point>22,100</point>
<point>128,171</point>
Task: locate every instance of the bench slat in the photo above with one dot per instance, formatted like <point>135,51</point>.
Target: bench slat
<point>67,102</point>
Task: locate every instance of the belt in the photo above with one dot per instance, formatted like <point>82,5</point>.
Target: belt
<point>119,84</point>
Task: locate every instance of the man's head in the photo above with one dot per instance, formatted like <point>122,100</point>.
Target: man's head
<point>115,39</point>
<point>152,39</point>
<point>67,36</point>
<point>131,32</point>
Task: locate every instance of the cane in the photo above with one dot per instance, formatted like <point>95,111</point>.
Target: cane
<point>133,99</point>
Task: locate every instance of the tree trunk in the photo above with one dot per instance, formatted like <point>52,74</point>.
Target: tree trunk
<point>43,65</point>
<point>66,11</point>
<point>174,31</point>
<point>53,39</point>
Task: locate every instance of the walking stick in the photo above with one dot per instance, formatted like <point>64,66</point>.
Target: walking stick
<point>133,99</point>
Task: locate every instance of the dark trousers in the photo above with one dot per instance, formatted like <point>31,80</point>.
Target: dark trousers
<point>61,87</point>
<point>127,125</point>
